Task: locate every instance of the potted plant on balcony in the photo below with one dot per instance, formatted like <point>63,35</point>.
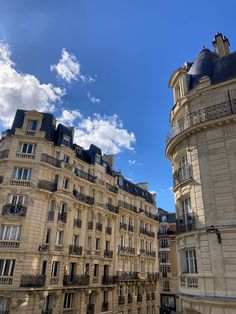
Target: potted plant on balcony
<point>176,174</point>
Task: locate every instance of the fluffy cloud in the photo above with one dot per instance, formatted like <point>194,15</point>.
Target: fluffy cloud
<point>132,162</point>
<point>69,116</point>
<point>92,98</point>
<point>19,90</point>
<point>68,68</point>
<point>105,132</point>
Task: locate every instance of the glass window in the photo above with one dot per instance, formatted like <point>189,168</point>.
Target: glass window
<point>32,125</point>
<point>55,269</point>
<point>10,232</point>
<point>96,270</point>
<point>4,304</point>
<point>89,243</point>
<point>68,300</point>
<point>59,237</point>
<point>98,243</point>
<point>66,183</point>
<point>22,173</point>
<point>7,267</point>
<point>27,148</point>
<point>191,261</point>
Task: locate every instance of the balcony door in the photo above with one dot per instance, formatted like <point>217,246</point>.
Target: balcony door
<point>106,271</point>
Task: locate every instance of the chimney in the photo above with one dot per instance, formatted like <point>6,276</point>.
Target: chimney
<point>110,159</point>
<point>221,45</point>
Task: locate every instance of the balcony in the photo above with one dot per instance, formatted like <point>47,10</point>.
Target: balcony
<point>185,223</point>
<point>75,250</point>
<point>8,244</point>
<point>121,299</point>
<point>147,232</point>
<point>109,280</point>
<point>108,254</point>
<point>148,214</point>
<point>112,208</point>
<point>17,182</point>
<point>127,206</point>
<point>48,186</point>
<point>51,215</point>
<point>139,298</point>
<point>6,280</point>
<point>189,281</point>
<point>77,223</point>
<point>151,254</point>
<point>130,298</point>
<point>90,309</point>
<point>112,188</point>
<point>84,175</point>
<point>126,276</point>
<point>105,306</point>
<point>152,276</point>
<point>130,228</point>
<point>123,226</point>
<point>14,210</point>
<point>50,160</point>
<point>202,115</point>
<point>75,280</point>
<point>83,198</point>
<point>44,247</point>
<point>90,225</point>
<point>182,174</point>
<point>32,281</point>
<point>98,226</point>
<point>108,230</point>
<point>62,217</point>
<point>4,153</point>
<point>126,250</point>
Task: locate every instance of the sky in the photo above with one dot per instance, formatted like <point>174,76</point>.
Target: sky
<point>103,67</point>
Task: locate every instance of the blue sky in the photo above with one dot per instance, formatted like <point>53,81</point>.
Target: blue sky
<point>121,54</point>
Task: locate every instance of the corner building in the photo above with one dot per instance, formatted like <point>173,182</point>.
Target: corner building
<point>202,150</point>
<point>76,236</point>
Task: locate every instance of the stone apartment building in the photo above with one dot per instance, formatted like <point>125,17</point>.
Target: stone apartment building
<point>202,149</point>
<point>169,281</point>
<point>75,235</point>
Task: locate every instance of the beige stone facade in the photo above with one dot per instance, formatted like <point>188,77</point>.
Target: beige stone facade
<point>169,281</point>
<point>72,239</point>
<point>202,149</point>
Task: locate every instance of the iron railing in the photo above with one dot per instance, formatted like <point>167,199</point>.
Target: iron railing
<point>50,160</point>
<point>182,174</point>
<point>76,280</point>
<point>14,210</point>
<point>186,223</point>
<point>32,281</point>
<point>83,198</point>
<point>47,185</point>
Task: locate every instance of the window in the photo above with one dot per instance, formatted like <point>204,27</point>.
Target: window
<point>100,197</point>
<point>122,219</point>
<point>190,262</point>
<point>177,92</point>
<point>66,140</point>
<point>55,269</point>
<point>98,241</point>
<point>7,267</point>
<point>63,208</point>
<point>99,218</point>
<point>186,206</point>
<point>66,159</point>
<point>105,296</point>
<point>43,270</point>
<point>4,304</point>
<point>98,159</point>
<point>32,125</point>
<point>130,222</point>
<point>27,148</point>
<point>69,300</point>
<point>130,242</point>
<point>121,290</point>
<point>59,237</point>
<point>166,286</point>
<point>48,236</point>
<point>122,241</point>
<point>66,183</point>
<point>47,305</point>
<point>22,173</point>
<point>10,232</point>
<point>89,242</point>
<point>142,266</point>
<point>142,244</point>
<point>75,240</point>
<point>77,213</point>
<point>168,301</point>
<point>96,270</point>
<point>17,200</point>
<point>139,310</point>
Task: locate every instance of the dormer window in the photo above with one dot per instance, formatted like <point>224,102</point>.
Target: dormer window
<point>66,141</point>
<point>32,125</point>
<point>98,159</point>
<point>66,159</point>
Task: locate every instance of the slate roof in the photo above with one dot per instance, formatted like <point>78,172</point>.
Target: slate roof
<point>208,63</point>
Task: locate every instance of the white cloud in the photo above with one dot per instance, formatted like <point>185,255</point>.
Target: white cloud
<point>92,98</point>
<point>69,116</point>
<point>68,68</point>
<point>132,162</point>
<point>106,132</point>
<point>170,189</point>
<point>19,90</point>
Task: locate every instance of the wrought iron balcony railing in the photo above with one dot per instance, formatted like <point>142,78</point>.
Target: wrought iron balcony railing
<point>131,228</point>
<point>46,185</point>
<point>49,311</point>
<point>112,188</point>
<point>75,250</point>
<point>108,254</point>
<point>126,276</point>
<point>44,247</point>
<point>85,175</point>
<point>147,232</point>
<point>105,306</point>
<point>14,210</point>
<point>127,206</point>
<point>126,250</point>
<point>33,281</point>
<point>90,309</point>
<point>76,280</point>
<point>50,160</point>
<point>182,174</point>
<point>186,223</point>
<point>4,153</point>
<point>83,198</point>
<point>109,280</point>
<point>123,226</point>
<point>202,115</point>
<point>112,208</point>
<point>152,276</point>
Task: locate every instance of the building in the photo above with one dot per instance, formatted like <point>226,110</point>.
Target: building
<point>76,236</point>
<point>202,148</point>
<point>169,281</point>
